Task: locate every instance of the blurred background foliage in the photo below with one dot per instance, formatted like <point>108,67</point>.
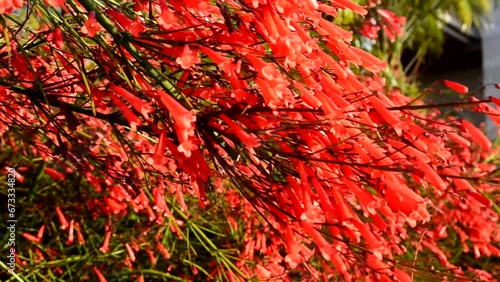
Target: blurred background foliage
<point>424,32</point>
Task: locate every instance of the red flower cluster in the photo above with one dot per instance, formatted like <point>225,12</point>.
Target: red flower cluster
<point>322,170</point>
<point>391,24</point>
<point>8,6</point>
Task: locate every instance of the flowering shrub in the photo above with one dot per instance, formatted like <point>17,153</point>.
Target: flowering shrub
<point>229,140</point>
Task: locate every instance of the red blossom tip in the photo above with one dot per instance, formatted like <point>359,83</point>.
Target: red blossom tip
<point>455,86</point>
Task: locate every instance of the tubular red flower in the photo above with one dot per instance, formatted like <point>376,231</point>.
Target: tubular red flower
<point>91,26</point>
<point>31,238</point>
<point>167,18</point>
<point>160,148</point>
<point>105,245</point>
<point>389,116</point>
<point>335,31</point>
<point>71,238</point>
<point>137,103</point>
<point>134,27</point>
<point>54,174</point>
<point>431,175</point>
<point>151,256</point>
<point>459,139</point>
<point>130,252</point>
<point>455,86</point>
<point>369,61</point>
<point>181,115</point>
<point>132,119</point>
<point>188,58</point>
<point>325,248</point>
<point>79,234</point>
<point>62,219</point>
<point>99,275</point>
<point>162,250</point>
<point>477,135</point>
<point>40,232</point>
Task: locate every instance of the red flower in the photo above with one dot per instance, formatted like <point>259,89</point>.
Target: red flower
<point>167,18</point>
<point>40,231</point>
<point>55,3</point>
<point>250,140</point>
<point>151,256</point>
<point>99,275</point>
<point>91,26</point>
<point>134,27</point>
<point>57,38</point>
<point>392,24</point>
<point>324,247</point>
<point>54,174</point>
<point>184,120</point>
<point>188,58</point>
<point>32,238</point>
<point>62,219</point>
<point>105,245</point>
<point>159,202</point>
<point>114,206</point>
<point>79,234</point>
<point>162,250</point>
<point>307,96</point>
<point>455,86</point>
<point>350,5</point>
<point>369,61</point>
<point>431,175</point>
<point>137,103</point>
<point>459,139</point>
<point>160,148</point>
<point>132,119</point>
<point>335,31</point>
<point>477,135</point>
<point>370,29</point>
<point>70,233</point>
<point>130,252</point>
